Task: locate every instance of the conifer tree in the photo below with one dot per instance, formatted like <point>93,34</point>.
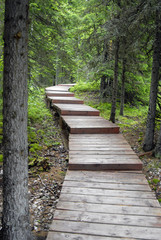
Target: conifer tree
<point>15,165</point>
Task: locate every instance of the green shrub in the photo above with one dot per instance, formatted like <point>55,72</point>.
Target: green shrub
<point>1,157</point>
<point>86,86</point>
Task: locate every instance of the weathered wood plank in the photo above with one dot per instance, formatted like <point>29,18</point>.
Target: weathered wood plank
<point>117,219</point>
<point>110,176</point>
<point>66,100</point>
<point>53,235</point>
<point>89,124</point>
<point>56,93</point>
<point>104,166</point>
<point>104,162</point>
<point>114,186</point>
<point>97,138</point>
<point>67,84</point>
<point>94,137</point>
<point>88,147</point>
<point>89,158</point>
<point>108,192</point>
<point>105,152</point>
<point>109,200</point>
<point>58,88</point>
<point>107,230</point>
<point>113,209</point>
<point>76,109</point>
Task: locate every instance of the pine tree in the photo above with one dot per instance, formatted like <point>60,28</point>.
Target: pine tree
<point>15,165</point>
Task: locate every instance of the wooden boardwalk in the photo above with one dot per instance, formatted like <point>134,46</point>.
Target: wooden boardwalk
<point>105,195</point>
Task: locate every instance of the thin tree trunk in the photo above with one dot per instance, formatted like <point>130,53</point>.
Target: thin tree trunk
<point>150,128</point>
<point>158,145</point>
<point>15,167</point>
<point>103,86</point>
<point>123,87</point>
<point>115,84</point>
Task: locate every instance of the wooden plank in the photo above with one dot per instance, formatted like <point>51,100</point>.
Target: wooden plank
<point>108,177</point>
<point>58,88</point>
<point>96,158</point>
<point>67,84</point>
<point>76,109</point>
<point>66,100</point>
<point>96,138</point>
<point>108,192</point>
<point>112,186</point>
<point>105,152</point>
<point>104,167</point>
<point>110,209</point>
<point>53,235</point>
<point>116,219</point>
<point>89,124</point>
<point>93,129</point>
<point>56,93</point>
<point>107,230</point>
<point>100,148</point>
<point>109,200</point>
<point>104,162</point>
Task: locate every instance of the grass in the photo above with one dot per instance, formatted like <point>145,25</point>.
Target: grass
<point>41,132</point>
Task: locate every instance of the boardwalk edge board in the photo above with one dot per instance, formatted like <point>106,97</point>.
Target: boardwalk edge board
<point>105,195</point>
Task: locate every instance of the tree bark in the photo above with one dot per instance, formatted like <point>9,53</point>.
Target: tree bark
<point>15,224</point>
<point>115,83</point>
<point>103,86</point>
<point>150,127</point>
<point>158,145</point>
<point>123,87</point>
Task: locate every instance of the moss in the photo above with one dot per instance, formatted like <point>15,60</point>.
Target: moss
<point>1,157</point>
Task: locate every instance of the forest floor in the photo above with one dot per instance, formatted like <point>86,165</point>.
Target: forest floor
<point>45,183</point>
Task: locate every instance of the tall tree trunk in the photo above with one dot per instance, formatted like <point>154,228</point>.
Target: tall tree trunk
<point>158,145</point>
<point>115,83</point>
<point>123,87</point>
<point>103,86</point>
<point>150,128</point>
<point>15,167</point>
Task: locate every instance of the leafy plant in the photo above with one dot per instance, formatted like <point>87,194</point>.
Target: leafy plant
<point>156,181</point>
<point>1,157</point>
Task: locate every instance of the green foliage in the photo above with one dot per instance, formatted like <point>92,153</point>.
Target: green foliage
<point>37,111</point>
<point>1,157</point>
<point>40,130</point>
<point>1,125</point>
<point>156,181</point>
<point>86,87</point>
<point>35,147</point>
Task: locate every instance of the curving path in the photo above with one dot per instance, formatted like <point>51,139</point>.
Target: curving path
<point>105,195</point>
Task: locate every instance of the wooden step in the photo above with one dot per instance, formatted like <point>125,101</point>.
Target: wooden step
<point>110,152</point>
<point>65,100</point>
<point>75,110</point>
<point>60,94</point>
<point>106,205</point>
<point>67,84</point>
<point>89,125</point>
<point>58,88</point>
